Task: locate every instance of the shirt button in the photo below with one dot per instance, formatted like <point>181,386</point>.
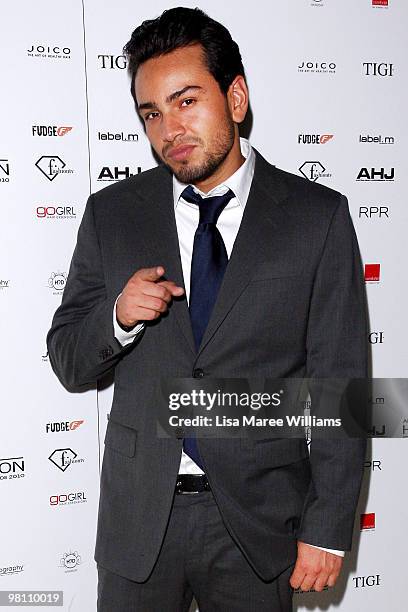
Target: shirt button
<point>198,373</point>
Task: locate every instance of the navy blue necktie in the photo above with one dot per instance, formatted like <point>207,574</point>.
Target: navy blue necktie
<point>208,264</point>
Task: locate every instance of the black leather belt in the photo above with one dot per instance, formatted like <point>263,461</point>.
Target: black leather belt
<point>192,483</point>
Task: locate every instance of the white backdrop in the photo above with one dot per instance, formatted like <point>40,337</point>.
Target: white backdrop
<point>328,86</point>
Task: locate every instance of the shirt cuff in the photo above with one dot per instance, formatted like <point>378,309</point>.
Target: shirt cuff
<point>340,553</point>
<point>121,335</point>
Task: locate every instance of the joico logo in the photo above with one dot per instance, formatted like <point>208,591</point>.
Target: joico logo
<point>50,130</point>
<point>4,171</point>
<point>112,61</point>
<point>116,174</point>
<point>57,281</point>
<point>372,174</point>
<point>313,170</point>
<point>51,166</point>
<point>381,69</point>
<point>48,51</point>
<point>318,67</point>
<point>314,138</point>
<point>12,467</point>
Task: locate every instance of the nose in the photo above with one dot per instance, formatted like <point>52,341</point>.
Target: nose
<point>171,127</point>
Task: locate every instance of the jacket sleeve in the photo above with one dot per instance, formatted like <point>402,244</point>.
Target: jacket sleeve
<point>337,348</point>
<point>81,342</point>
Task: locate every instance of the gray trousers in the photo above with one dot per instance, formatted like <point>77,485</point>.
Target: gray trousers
<point>200,560</point>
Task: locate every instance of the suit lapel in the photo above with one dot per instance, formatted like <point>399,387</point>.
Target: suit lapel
<point>155,207</point>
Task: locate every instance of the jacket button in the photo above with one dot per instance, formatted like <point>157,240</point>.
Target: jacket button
<point>198,373</point>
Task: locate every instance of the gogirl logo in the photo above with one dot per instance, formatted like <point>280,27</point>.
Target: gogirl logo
<point>55,211</point>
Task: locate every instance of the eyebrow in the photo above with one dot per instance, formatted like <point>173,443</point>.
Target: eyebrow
<point>170,98</point>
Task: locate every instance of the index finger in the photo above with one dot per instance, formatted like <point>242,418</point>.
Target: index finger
<point>150,274</point>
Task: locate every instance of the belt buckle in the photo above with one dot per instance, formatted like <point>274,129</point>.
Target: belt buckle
<point>180,491</point>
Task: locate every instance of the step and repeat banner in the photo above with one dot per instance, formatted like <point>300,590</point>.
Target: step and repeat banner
<point>328,87</point>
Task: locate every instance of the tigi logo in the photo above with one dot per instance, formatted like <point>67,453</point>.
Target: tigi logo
<point>57,281</point>
<point>366,581</point>
<point>112,61</point>
<point>313,170</point>
<point>376,337</point>
<point>382,69</point>
<point>51,166</point>
<point>70,561</point>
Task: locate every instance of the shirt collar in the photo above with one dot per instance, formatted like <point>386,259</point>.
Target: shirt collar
<point>239,182</point>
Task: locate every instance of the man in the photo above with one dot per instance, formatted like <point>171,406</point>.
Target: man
<point>213,264</point>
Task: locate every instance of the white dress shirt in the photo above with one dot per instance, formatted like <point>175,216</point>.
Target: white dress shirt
<point>187,218</point>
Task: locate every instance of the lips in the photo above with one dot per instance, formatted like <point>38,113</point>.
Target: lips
<point>181,152</point>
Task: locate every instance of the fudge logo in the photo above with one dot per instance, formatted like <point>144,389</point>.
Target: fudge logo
<point>50,130</point>
<point>314,138</point>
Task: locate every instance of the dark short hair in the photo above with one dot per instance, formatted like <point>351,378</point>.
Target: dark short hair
<point>180,27</point>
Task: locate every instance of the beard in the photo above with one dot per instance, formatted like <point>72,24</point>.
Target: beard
<point>214,155</point>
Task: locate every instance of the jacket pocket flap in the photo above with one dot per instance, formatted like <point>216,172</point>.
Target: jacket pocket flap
<point>274,452</point>
<point>121,438</point>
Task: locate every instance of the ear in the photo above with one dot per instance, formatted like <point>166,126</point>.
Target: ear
<point>238,99</point>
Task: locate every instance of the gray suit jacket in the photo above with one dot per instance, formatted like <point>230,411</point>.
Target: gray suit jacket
<point>291,305</point>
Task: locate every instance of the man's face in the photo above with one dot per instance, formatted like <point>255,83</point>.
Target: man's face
<point>188,119</point>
